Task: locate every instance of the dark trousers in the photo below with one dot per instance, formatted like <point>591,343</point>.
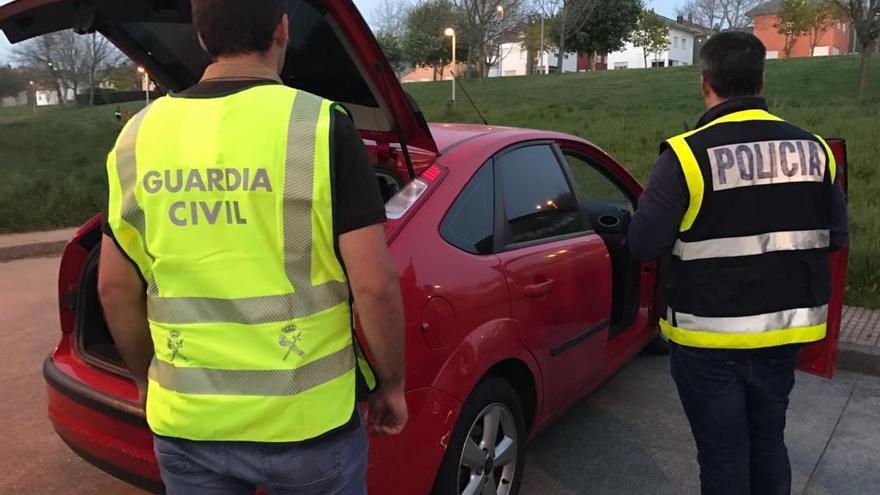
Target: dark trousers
<point>735,401</point>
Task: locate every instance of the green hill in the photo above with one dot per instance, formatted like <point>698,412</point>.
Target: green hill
<point>53,170</point>
<point>628,113</point>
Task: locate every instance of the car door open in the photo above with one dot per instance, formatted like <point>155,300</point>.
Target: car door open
<point>820,358</point>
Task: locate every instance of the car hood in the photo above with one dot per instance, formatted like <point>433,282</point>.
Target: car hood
<point>332,53</point>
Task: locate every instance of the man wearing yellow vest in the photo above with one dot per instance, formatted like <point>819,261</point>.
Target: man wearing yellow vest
<point>746,208</point>
<point>242,215</point>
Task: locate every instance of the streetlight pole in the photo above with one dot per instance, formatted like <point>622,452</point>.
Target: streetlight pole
<point>146,83</point>
<point>451,32</point>
<point>542,42</point>
<point>34,92</point>
<point>500,10</point>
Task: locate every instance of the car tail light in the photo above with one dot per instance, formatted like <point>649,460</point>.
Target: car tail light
<point>72,262</point>
<point>404,199</point>
<point>397,207</point>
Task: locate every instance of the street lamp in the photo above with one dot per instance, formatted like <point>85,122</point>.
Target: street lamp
<point>34,92</point>
<point>146,82</point>
<point>500,10</point>
<point>451,32</point>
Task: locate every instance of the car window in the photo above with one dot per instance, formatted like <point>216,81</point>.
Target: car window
<point>469,224</point>
<point>592,185</point>
<point>538,202</point>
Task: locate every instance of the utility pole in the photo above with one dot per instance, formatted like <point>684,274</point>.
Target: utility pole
<point>451,32</point>
<point>542,42</point>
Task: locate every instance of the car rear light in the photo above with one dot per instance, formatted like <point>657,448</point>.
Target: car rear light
<point>72,262</point>
<point>404,199</point>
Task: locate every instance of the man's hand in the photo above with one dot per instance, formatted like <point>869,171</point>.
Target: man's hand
<point>124,301</point>
<point>387,414</point>
<point>376,291</point>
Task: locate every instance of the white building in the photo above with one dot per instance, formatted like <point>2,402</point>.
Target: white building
<point>515,61</point>
<point>49,97</point>
<point>680,52</point>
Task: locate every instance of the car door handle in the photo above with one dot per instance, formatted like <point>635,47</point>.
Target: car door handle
<point>539,289</point>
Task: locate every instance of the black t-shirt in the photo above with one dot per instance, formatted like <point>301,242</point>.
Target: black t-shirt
<point>357,202</point>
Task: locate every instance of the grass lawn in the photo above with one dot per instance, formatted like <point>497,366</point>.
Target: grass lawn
<point>628,113</point>
<point>53,163</point>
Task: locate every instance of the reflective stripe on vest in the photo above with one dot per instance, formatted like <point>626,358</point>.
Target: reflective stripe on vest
<point>308,376</point>
<point>751,245</point>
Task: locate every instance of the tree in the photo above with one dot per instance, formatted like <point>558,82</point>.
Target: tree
<point>865,17</point>
<point>607,27</point>
<point>568,18</point>
<point>651,35</point>
<point>12,81</point>
<point>41,56</point>
<point>66,61</point>
<point>391,46</point>
<point>532,40</point>
<point>389,18</point>
<point>791,22</point>
<point>483,25</point>
<point>125,77</point>
<point>99,57</point>
<point>810,18</point>
<point>424,42</point>
<point>720,14</point>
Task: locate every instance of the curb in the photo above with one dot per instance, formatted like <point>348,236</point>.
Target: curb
<point>33,250</point>
<point>858,358</point>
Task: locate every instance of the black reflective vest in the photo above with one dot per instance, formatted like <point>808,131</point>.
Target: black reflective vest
<point>750,265</point>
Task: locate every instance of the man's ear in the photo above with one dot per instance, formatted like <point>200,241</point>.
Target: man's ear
<point>282,33</point>
<point>202,44</point>
<point>705,88</point>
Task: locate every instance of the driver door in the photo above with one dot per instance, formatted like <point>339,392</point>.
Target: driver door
<point>820,358</point>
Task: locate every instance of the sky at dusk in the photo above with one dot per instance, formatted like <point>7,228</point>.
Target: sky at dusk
<point>367,7</point>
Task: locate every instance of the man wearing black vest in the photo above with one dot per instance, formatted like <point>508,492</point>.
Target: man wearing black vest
<point>746,208</point>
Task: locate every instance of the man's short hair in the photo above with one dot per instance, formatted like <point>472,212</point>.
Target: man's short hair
<point>733,64</point>
<point>234,27</point>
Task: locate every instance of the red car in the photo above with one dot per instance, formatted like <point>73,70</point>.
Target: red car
<point>521,296</point>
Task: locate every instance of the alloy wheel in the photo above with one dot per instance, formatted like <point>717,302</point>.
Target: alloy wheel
<point>489,456</point>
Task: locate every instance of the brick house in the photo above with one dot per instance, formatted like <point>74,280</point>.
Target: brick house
<point>835,41</point>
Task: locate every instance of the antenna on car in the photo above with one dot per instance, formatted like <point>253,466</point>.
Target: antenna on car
<point>470,100</point>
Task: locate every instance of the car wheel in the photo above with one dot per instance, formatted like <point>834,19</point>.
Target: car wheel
<point>486,453</point>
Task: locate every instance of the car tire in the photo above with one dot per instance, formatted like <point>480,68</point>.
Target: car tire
<point>464,472</point>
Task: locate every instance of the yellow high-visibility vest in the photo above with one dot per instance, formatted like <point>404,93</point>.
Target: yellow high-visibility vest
<point>225,206</point>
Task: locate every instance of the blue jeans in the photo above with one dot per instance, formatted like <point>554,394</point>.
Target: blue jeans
<point>335,466</point>
<point>736,401</point>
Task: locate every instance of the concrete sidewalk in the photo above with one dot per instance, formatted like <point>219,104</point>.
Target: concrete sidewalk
<point>33,244</point>
<point>859,333</point>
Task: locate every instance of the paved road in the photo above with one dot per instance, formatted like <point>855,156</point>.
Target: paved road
<point>628,438</point>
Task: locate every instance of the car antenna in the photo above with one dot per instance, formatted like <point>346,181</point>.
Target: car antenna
<point>470,100</point>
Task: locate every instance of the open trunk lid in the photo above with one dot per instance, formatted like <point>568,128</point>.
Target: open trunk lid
<point>332,53</point>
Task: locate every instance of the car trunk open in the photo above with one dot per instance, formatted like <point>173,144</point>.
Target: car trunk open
<point>332,53</point>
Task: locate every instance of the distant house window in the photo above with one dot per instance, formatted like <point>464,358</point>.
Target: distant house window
<point>621,65</point>
<point>675,42</point>
<point>684,43</point>
<point>658,63</point>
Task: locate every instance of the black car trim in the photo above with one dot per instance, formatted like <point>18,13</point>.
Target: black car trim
<point>91,398</point>
<point>148,484</point>
<point>577,339</point>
